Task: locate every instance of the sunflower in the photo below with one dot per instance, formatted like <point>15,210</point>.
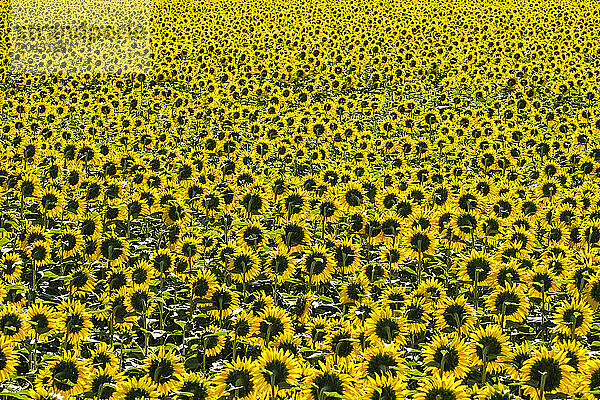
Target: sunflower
<point>542,282</point>
<point>104,383</point>
<point>253,235</point>
<point>508,303</point>
<point>8,359</point>
<point>51,202</point>
<point>141,273</point>
<point>237,380</point>
<point>391,257</point>
<point>417,313</point>
<point>381,360</point>
<point>273,322</point>
<point>11,267</point>
<point>431,290</point>
<point>547,373</point>
<point>279,373</point>
<point>74,321</point>
<point>138,300</point>
<point>448,354</point>
<point>419,242</point>
<point>476,268</point>
<point>465,224</point>
<point>222,302</point>
<point>327,383</point>
<point>41,319</point>
<point>395,298</point>
<point>90,226</point>
<point>346,257</point>
<point>12,323</point>
<point>455,315</point>
<point>318,264</point>
<point>103,357</point>
<point>163,369</point>
<point>354,290</point>
<point>592,292</point>
<point>280,266</point>
<point>445,387</point>
<point>193,387</point>
<point>591,379</point>
<point>81,282</point>
<point>190,248</point>
<point>573,318</point>
<point>68,375</point>
<point>202,285</point>
<point>491,347</point>
<point>383,388</point>
<point>576,353</point>
<point>294,236</point>
<point>114,250</point>
<point>499,391</point>
<point>341,340</point>
<point>295,202</point>
<point>137,388</point>
<point>244,325</point>
<point>244,265</point>
<point>383,327</point>
<point>350,197</point>
<point>39,252</point>
<point>212,341</point>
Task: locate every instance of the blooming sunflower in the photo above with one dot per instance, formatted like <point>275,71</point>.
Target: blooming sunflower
<point>137,388</point>
<point>39,252</point>
<point>212,341</point>
<point>591,379</point>
<point>273,322</point>
<point>244,265</point>
<point>573,317</point>
<point>346,257</point>
<point>417,313</point>
<point>41,319</point>
<point>12,323</point>
<point>383,327</point>
<point>51,202</point>
<point>163,369</point>
<point>202,285</point>
<point>547,373</point>
<point>445,387</point>
<point>68,375</point>
<point>318,264</point>
<point>383,388</point>
<point>280,266</point>
<point>74,321</point>
<point>508,303</point>
<point>11,268</point>
<point>8,358</point>
<point>222,302</point>
<point>350,196</point>
<point>455,315</point>
<point>491,347</point>
<point>237,379</point>
<point>448,354</point>
<point>328,383</point>
<point>476,268</point>
<point>294,236</point>
<point>104,383</point>
<point>193,387</point>
<point>380,359</point>
<point>114,249</point>
<point>279,373</point>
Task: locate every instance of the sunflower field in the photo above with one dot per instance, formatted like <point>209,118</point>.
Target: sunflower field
<point>307,200</point>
